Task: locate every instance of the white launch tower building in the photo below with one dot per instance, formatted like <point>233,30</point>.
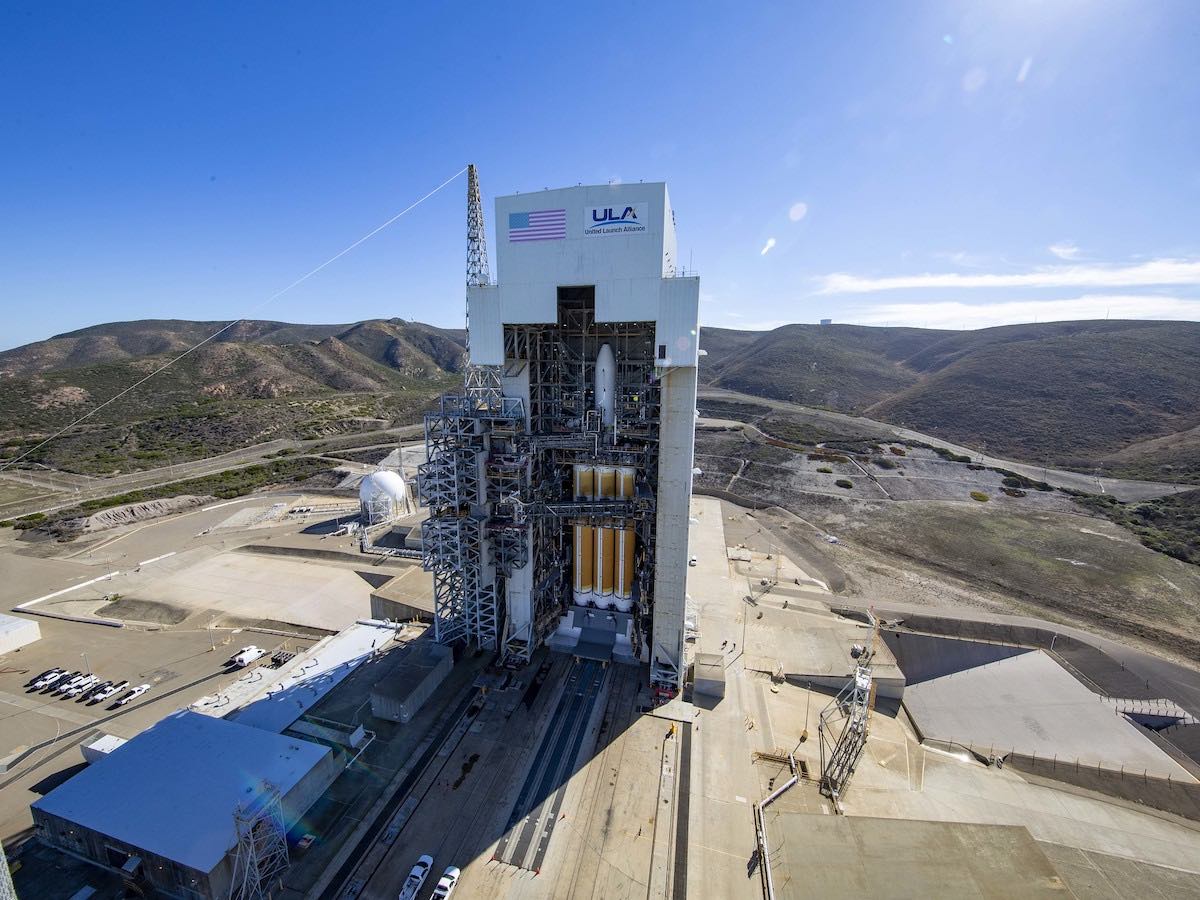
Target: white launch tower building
<point>559,482</point>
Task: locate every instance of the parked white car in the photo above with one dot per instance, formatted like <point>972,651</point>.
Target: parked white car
<point>447,884</point>
<point>134,694</point>
<point>112,689</point>
<point>80,686</point>
<point>68,682</point>
<point>416,878</point>
<point>94,689</point>
<point>37,678</point>
<point>49,678</point>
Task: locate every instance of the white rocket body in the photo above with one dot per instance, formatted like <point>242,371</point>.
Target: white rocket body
<point>606,385</point>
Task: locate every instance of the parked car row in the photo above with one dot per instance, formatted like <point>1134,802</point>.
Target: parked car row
<point>412,884</point>
<point>84,687</point>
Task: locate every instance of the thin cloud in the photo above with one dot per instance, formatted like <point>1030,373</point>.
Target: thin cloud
<point>1025,67</point>
<point>767,247</point>
<point>798,211</point>
<point>1064,250</point>
<point>952,314</point>
<point>974,79</point>
<point>1154,272</point>
<point>964,259</point>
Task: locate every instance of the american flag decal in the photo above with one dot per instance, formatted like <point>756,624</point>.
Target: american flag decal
<point>540,225</point>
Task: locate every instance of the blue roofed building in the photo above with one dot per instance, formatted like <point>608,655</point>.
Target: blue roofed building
<point>161,807</point>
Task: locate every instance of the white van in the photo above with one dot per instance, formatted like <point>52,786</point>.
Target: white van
<point>247,656</point>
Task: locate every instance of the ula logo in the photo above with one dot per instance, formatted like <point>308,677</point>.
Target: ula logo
<point>608,216</point>
<point>628,219</point>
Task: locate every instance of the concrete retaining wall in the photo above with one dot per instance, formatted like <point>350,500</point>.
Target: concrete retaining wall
<point>1159,793</point>
<point>1091,665</point>
<point>922,657</point>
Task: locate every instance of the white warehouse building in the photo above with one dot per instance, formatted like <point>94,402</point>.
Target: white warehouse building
<point>559,484</point>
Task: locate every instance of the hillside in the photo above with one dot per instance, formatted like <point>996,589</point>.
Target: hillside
<point>121,341</point>
<point>1121,395</point>
<point>843,367</point>
<point>257,382</point>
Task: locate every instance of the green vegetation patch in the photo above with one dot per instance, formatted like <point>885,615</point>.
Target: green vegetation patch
<point>820,455</point>
<point>1013,480</point>
<point>825,470</point>
<point>1170,525</point>
<point>979,496</point>
<point>950,455</point>
<point>844,483</point>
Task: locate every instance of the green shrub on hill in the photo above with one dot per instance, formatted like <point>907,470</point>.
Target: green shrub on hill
<point>1170,525</point>
<point>1013,480</point>
<point>950,455</point>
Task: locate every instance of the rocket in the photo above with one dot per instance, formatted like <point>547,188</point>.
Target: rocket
<point>606,385</point>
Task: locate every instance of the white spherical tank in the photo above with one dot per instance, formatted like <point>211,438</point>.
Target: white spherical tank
<point>382,495</point>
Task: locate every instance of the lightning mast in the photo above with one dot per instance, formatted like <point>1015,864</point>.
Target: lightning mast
<point>482,383</point>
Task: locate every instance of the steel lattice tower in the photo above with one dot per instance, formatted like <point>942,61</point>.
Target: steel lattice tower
<point>261,854</point>
<point>477,255</point>
<point>7,891</point>
<point>482,383</point>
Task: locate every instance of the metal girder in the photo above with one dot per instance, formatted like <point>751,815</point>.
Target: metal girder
<point>261,853</point>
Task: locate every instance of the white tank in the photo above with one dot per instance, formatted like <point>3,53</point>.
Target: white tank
<point>382,495</point>
<point>606,385</point>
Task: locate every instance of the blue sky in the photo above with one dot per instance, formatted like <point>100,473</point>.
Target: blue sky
<point>940,164</point>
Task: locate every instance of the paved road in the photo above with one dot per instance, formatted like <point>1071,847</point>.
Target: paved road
<point>235,459</point>
<point>1122,489</point>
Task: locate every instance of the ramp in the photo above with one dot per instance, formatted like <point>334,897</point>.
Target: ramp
<point>1029,704</point>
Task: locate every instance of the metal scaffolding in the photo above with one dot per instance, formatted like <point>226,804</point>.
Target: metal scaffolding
<point>7,891</point>
<point>470,541</point>
<point>849,716</point>
<point>261,854</point>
